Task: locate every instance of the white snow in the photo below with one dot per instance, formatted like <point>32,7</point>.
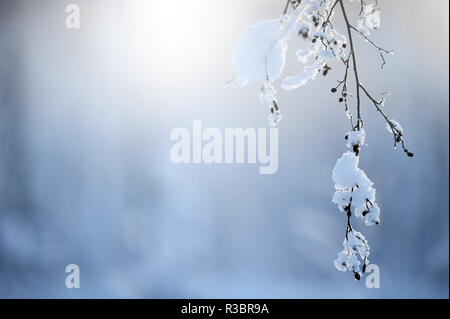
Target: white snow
<point>373,215</point>
<point>354,187</point>
<point>274,118</point>
<point>309,73</point>
<point>260,55</point>
<point>356,138</point>
<point>396,125</point>
<point>347,175</point>
<point>369,20</point>
<point>356,251</point>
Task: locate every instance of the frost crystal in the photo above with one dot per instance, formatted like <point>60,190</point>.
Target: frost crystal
<point>356,252</point>
<point>356,138</point>
<point>397,126</point>
<point>369,20</point>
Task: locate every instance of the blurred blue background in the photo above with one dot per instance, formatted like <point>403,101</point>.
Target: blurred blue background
<point>86,177</point>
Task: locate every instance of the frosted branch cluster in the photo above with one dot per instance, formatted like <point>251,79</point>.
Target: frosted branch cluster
<point>260,55</point>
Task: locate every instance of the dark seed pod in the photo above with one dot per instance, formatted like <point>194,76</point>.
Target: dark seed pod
<point>410,154</point>
<point>364,213</point>
<point>275,105</point>
<point>344,45</point>
<point>357,276</point>
<point>304,33</point>
<point>333,90</point>
<point>341,99</point>
<point>346,137</point>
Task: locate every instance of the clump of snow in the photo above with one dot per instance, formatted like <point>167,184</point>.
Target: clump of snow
<point>354,188</point>
<point>356,251</point>
<point>346,174</point>
<point>397,126</point>
<point>355,196</point>
<point>309,73</point>
<point>267,94</point>
<point>356,137</point>
<point>372,217</point>
<point>369,19</point>
<point>357,242</point>
<point>260,54</point>
<point>347,259</point>
<point>267,97</point>
<point>327,47</point>
<point>274,118</point>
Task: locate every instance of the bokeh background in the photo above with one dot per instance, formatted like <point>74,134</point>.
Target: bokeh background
<point>86,177</point>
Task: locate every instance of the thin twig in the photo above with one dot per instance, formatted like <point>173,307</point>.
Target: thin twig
<point>379,48</point>
<point>286,7</point>
<point>355,68</point>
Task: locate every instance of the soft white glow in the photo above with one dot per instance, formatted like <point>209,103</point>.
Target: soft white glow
<point>173,36</point>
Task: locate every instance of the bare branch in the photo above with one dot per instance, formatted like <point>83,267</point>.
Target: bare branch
<point>355,68</point>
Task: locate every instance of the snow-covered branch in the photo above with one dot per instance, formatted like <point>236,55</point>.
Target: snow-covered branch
<point>260,55</point>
